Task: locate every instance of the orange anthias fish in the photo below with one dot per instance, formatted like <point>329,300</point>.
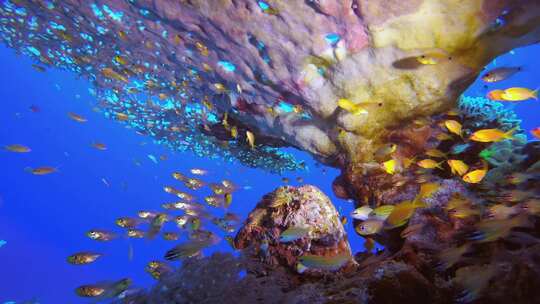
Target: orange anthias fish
<point>536,132</point>
<point>495,95</point>
<point>492,135</point>
<point>77,117</point>
<point>475,176</point>
<point>402,213</point>
<point>17,148</point>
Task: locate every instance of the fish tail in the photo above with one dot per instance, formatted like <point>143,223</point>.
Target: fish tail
<point>534,94</point>
<point>510,134</point>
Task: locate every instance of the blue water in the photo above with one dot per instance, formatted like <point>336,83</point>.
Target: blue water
<point>43,219</point>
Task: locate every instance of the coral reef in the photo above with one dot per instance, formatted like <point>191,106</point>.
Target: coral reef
<point>170,69</point>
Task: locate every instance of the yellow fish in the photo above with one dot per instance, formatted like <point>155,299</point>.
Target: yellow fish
<point>453,126</point>
<point>351,107</point>
<point>519,94</point>
<point>326,263</point>
<point>17,148</point>
<point>429,164</point>
<point>228,199</point>
<point>250,139</point>
<point>476,176</point>
<point>457,166</point>
<point>390,166</point>
<point>402,213</point>
<point>435,153</point>
<point>427,190</point>
<point>112,74</point>
<point>492,135</point>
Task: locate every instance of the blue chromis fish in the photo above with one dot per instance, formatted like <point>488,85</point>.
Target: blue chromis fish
<point>459,148</point>
<point>292,234</point>
<point>325,263</point>
<point>2,243</point>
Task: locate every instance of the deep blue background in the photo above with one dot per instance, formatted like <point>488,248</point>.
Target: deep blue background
<point>44,218</point>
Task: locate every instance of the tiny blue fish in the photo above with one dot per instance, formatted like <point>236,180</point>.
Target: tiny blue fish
<point>2,243</point>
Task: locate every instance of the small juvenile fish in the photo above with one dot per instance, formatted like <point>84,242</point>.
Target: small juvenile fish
<point>158,269</point>
<point>228,199</point>
<point>127,222</point>
<point>369,227</point>
<point>500,74</point>
<point>17,148</point>
<point>135,233</point>
<point>453,126</point>
<point>187,250</point>
<point>82,258</point>
<point>170,236</point>
<point>100,235</point>
<point>198,171</point>
<point>99,146</point>
<point>492,135</point>
<point>361,213</point>
<point>519,94</point>
<point>250,139</point>
<point>429,164</point>
<point>325,263</point>
<point>104,290</point>
<point>292,234</point>
<point>42,170</point>
<point>76,117</point>
<point>178,176</point>
<point>457,166</point>
<point>147,214</point>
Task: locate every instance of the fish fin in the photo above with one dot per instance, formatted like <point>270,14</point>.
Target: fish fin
<point>510,133</point>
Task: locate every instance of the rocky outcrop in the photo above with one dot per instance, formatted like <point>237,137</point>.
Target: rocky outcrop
<point>307,209</point>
